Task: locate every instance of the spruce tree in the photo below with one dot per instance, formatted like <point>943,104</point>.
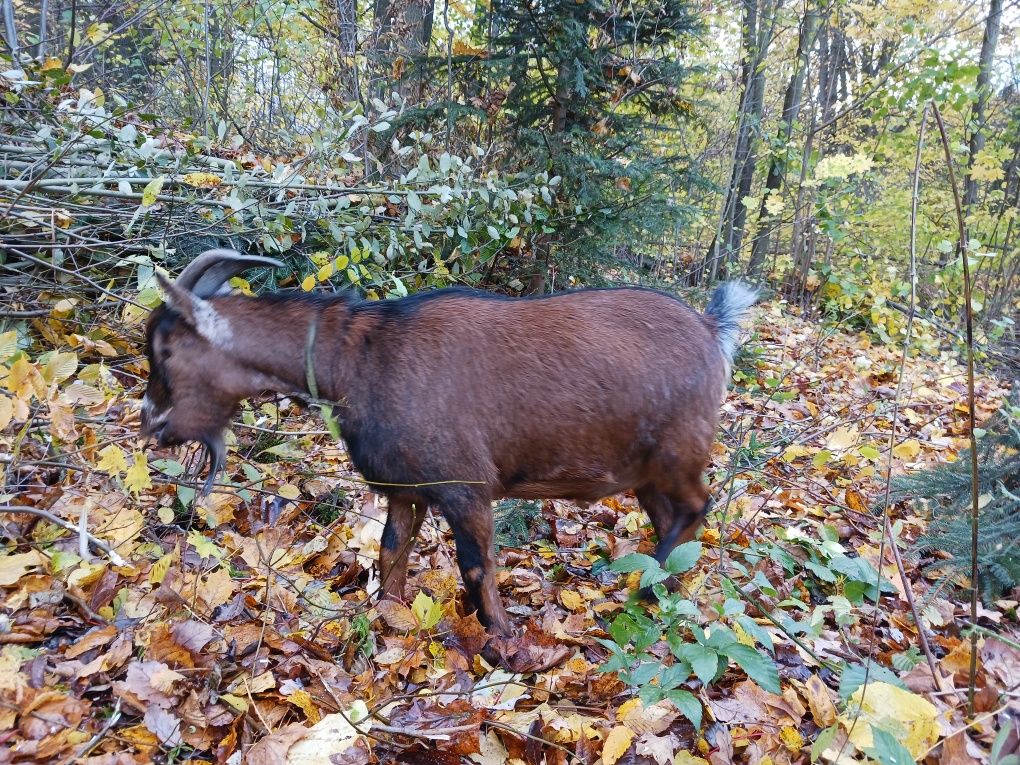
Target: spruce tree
<point>947,490</point>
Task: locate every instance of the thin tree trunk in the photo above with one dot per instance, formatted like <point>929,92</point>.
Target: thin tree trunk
<point>758,33</point>
<point>977,136</point>
<point>10,30</point>
<point>44,12</point>
<point>777,168</point>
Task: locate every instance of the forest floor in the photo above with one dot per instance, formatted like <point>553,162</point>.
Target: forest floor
<point>243,628</point>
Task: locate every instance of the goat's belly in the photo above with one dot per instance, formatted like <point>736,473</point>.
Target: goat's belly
<point>584,486</point>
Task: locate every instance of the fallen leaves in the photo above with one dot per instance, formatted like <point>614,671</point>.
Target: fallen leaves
<point>247,625</point>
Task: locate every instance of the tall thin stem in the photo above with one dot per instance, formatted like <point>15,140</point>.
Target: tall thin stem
<point>961,248</point>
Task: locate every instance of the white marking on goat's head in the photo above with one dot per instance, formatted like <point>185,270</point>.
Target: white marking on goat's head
<point>210,323</point>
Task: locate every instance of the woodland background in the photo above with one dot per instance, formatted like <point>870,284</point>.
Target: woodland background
<point>859,161</point>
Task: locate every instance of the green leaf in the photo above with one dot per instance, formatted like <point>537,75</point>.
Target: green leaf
<point>683,558</point>
<point>704,661</point>
<point>854,674</point>
<point>653,576</point>
<point>755,630</point>
<point>688,705</point>
<point>822,741</point>
<point>888,750</point>
<point>634,562</point>
<point>758,666</point>
<point>204,546</point>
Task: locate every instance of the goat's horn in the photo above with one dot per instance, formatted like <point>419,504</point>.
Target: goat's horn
<point>204,276</point>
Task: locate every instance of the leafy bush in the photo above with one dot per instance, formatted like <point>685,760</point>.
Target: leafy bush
<point>113,175</point>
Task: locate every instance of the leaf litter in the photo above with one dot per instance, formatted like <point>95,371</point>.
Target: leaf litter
<point>246,627</point>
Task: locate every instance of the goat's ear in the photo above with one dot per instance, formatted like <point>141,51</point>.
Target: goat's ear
<point>181,300</point>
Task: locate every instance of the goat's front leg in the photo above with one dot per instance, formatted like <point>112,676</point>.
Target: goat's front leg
<point>470,517</point>
<point>403,521</point>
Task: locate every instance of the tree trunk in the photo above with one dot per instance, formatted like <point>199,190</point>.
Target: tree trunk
<point>403,33</point>
<point>758,32</point>
<point>977,136</point>
<point>777,169</point>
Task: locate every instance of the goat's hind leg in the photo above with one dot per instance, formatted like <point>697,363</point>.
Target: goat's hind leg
<point>470,516</point>
<point>403,521</point>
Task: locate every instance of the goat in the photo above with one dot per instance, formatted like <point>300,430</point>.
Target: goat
<point>453,398</point>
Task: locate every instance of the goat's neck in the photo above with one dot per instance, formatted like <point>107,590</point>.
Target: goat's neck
<point>276,339</point>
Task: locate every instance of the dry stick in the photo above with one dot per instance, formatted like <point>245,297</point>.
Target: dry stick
<point>95,541</point>
<point>886,532</point>
<point>961,248</point>
<point>908,593</point>
<point>93,742</point>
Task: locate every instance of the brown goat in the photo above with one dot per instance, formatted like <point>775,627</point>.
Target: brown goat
<point>453,398</point>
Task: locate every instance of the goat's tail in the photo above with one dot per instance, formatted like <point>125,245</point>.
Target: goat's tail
<point>727,308</point>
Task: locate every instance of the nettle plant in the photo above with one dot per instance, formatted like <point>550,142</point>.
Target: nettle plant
<point>843,582</point>
<point>701,649</point>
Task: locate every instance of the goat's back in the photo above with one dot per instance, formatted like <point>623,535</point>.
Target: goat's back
<point>572,395</point>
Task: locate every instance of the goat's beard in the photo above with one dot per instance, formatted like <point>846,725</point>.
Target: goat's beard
<point>215,451</point>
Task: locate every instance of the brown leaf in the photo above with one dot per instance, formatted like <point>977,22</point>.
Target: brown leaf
<point>165,725</point>
<point>193,635</point>
<point>150,682</point>
<point>823,711</point>
<point>95,638</point>
<point>954,751</point>
<point>467,635</point>
<point>397,615</point>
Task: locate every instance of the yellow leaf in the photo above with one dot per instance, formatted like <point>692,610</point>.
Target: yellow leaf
<point>617,743</point>
<point>240,703</point>
<point>112,460</point>
<point>289,490</point>
<point>325,272</point>
<point>303,701</point>
<point>151,191</point>
<point>342,262</point>
<point>855,501</point>
<point>6,411</point>
<point>572,600</point>
<point>427,611</point>
<point>683,757</point>
<point>160,568</point>
<point>8,344</point>
<point>202,180</point>
<point>908,450</point>
<point>165,514</point>
<point>13,567</point>
<point>842,438</point>
<point>137,478</point>
<point>742,637</point>
<point>823,711</point>
<point>907,716</point>
<point>308,283</point>
<point>52,63</point>
<point>791,739</point>
<point>795,451</point>
<point>97,32</point>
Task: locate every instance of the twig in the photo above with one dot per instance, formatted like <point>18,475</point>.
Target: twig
<point>114,556</point>
<point>94,741</point>
<point>439,733</point>
<point>907,591</point>
<point>25,314</point>
<point>975,509</point>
